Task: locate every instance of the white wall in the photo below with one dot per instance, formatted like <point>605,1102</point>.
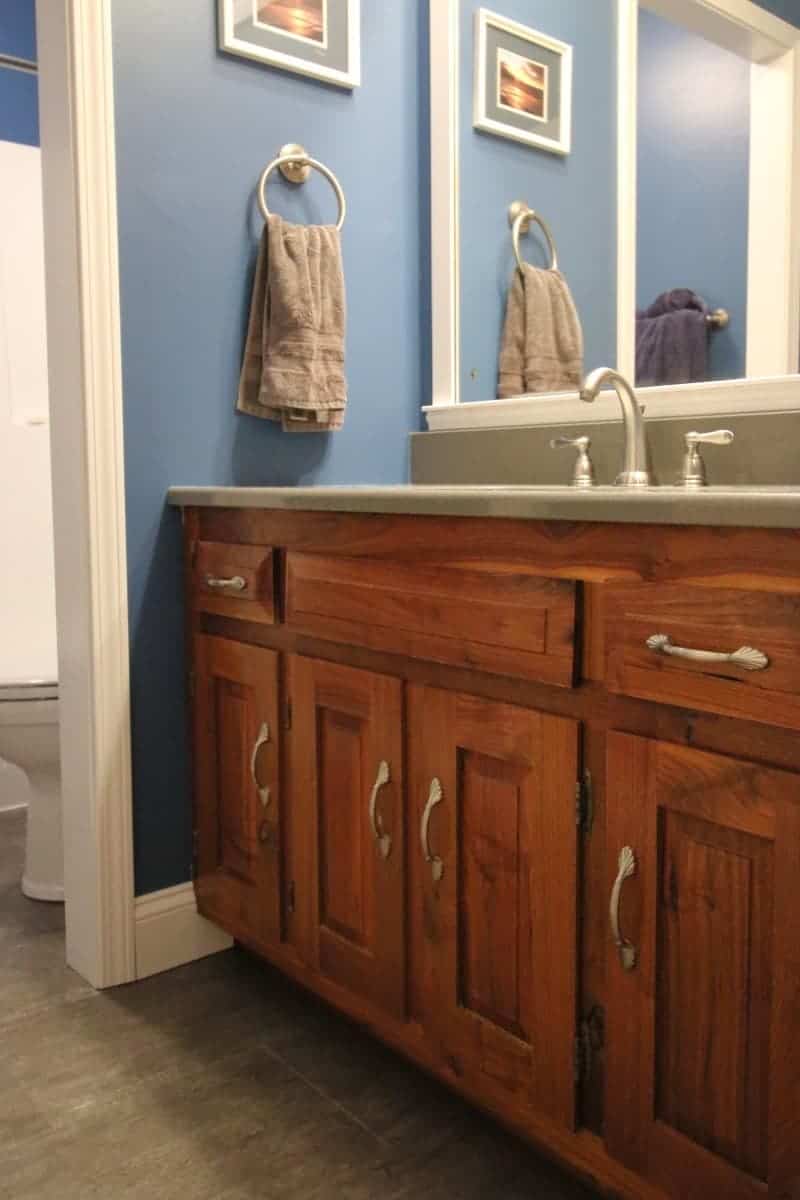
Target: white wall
<point>27,596</point>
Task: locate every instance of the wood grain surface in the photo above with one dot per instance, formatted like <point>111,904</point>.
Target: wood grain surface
<point>446,644</point>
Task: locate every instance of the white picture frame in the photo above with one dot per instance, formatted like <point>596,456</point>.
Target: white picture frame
<point>304,51</point>
<point>538,90</point>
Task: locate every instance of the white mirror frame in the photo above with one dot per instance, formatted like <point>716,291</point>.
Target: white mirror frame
<point>773,47</point>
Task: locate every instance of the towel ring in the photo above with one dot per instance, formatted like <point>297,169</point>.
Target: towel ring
<point>519,218</point>
<point>295,165</point>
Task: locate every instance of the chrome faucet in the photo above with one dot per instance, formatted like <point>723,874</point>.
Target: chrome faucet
<point>634,468</point>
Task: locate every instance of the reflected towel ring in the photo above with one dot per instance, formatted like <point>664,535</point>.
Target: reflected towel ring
<point>519,218</point>
<point>295,165</point>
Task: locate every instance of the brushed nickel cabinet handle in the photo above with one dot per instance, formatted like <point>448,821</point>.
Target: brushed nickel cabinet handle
<point>234,584</point>
<point>627,867</point>
<point>262,739</point>
<point>383,840</point>
<point>746,657</point>
<point>435,796</point>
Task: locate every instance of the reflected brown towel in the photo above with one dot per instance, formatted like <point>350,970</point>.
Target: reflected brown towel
<point>293,368</point>
<point>542,345</point>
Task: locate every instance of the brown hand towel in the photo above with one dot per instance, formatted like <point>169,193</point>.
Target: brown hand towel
<point>293,368</point>
<point>542,344</point>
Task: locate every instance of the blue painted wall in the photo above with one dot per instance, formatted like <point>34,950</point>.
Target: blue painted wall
<point>694,156</point>
<point>19,102</point>
<point>576,194</point>
<point>789,10</point>
<point>195,128</point>
<point>18,28</point>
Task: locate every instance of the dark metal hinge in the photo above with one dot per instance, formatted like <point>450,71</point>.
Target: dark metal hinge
<point>589,1039</point>
<point>579,1065</point>
<point>287,714</point>
<point>584,803</point>
<point>290,897</point>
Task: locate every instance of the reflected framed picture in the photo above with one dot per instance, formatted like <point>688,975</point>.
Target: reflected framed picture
<point>523,83</point>
<point>320,38</point>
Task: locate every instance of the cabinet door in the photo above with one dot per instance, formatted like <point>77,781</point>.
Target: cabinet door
<point>347,837</point>
<point>493,892</point>
<point>703,1057</point>
<point>236,788</point>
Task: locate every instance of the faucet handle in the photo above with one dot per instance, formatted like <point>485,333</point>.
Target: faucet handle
<point>583,475</point>
<point>717,437</point>
<point>693,474</point>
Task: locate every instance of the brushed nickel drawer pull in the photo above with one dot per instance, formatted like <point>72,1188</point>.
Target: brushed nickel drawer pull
<point>234,584</point>
<point>383,840</point>
<point>435,796</point>
<point>627,867</point>
<point>746,657</point>
<point>262,739</point>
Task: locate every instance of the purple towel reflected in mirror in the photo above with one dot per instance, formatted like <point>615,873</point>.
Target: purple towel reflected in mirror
<point>672,340</point>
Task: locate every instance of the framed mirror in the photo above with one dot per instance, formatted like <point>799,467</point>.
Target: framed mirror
<point>680,186</point>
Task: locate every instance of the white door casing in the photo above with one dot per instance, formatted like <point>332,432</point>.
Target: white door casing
<point>112,937</point>
<point>83,323</point>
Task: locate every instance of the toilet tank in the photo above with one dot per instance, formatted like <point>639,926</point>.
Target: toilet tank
<point>27,594</point>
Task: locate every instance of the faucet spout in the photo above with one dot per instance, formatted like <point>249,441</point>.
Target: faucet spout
<point>634,472</point>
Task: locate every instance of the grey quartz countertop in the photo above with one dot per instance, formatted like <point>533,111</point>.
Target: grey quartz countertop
<point>756,507</point>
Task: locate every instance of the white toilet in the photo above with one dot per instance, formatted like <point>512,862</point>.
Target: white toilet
<point>29,740</point>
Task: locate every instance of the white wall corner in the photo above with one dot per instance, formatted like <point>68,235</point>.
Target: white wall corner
<point>76,103</point>
<point>171,932</point>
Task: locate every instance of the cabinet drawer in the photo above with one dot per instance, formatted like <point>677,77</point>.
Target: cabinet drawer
<point>234,581</point>
<point>735,631</point>
<point>507,623</point>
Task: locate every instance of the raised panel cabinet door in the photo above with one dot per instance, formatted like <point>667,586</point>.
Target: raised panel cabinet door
<point>493,885</point>
<point>347,834</point>
<point>703,1022</point>
<point>237,788</point>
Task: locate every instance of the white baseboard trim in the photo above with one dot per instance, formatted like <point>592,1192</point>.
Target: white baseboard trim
<point>171,932</point>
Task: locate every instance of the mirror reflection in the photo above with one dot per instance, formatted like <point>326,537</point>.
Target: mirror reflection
<point>539,273</point>
<point>549,147</point>
<point>693,148</point>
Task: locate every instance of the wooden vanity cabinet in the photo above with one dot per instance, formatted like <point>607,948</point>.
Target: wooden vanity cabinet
<point>346,848</point>
<point>754,623</point>
<point>493,895</point>
<point>393,724</point>
<point>238,801</point>
<point>703,1067</point>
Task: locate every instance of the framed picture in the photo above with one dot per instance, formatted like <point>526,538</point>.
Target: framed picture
<point>523,84</point>
<point>320,38</point>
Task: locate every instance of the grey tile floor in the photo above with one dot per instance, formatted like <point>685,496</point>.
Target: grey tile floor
<point>218,1081</point>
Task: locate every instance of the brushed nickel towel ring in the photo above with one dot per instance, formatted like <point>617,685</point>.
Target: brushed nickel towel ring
<point>519,218</point>
<point>295,165</point>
